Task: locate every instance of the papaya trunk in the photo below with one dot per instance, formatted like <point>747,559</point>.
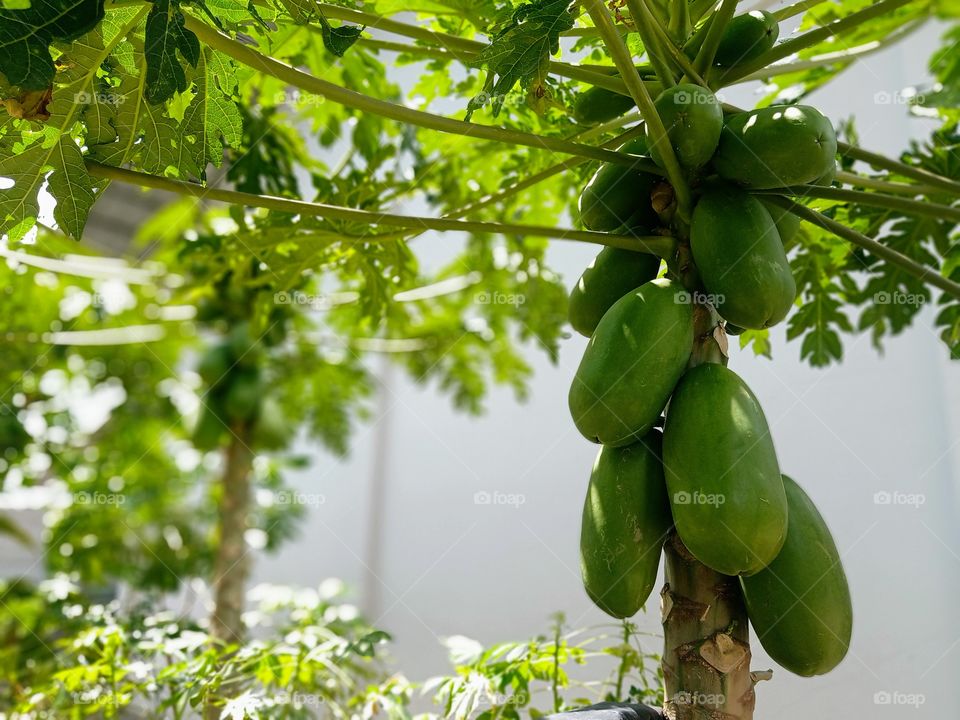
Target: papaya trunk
<point>231,564</point>
<point>706,656</point>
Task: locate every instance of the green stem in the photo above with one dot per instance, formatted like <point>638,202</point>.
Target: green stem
<point>797,8</point>
<point>654,244</point>
<point>622,666</point>
<point>811,38</point>
<point>846,56</point>
<point>699,8</point>
<point>921,272</point>
<point>872,199</point>
<point>555,679</point>
<point>676,54</point>
<point>884,163</point>
<point>658,134</point>
<point>644,21</point>
<point>358,101</point>
<point>711,42</point>
<point>848,178</point>
<point>679,20</point>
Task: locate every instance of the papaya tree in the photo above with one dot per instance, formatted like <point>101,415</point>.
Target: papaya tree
<point>716,222</point>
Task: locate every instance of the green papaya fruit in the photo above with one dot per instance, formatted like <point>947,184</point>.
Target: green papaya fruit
<point>741,259</point>
<point>244,345</point>
<point>215,364</point>
<point>693,120</point>
<point>210,427</point>
<point>788,224</point>
<point>632,363</point>
<point>799,605</point>
<point>612,274</point>
<point>747,37</point>
<point>271,430</point>
<point>242,398</point>
<point>776,146</point>
<point>722,474</point>
<point>826,180</point>
<point>618,196</point>
<point>626,518</point>
<point>598,105</point>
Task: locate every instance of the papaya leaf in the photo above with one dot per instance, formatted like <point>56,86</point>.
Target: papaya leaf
<point>26,34</point>
<point>165,36</point>
<point>521,50</point>
<point>339,39</point>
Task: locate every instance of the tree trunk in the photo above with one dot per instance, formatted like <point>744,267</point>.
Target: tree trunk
<point>706,656</point>
<point>231,564</point>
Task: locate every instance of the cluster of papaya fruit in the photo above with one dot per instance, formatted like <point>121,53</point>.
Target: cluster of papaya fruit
<point>712,474</point>
<point>237,394</point>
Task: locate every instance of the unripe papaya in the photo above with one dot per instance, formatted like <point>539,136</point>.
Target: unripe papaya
<point>746,37</point>
<point>741,259</point>
<point>612,274</point>
<point>210,427</point>
<point>632,363</point>
<point>598,105</point>
<point>722,474</point>
<point>693,120</point>
<point>799,605</point>
<point>788,224</point>
<point>242,398</point>
<point>271,430</point>
<point>215,364</point>
<point>776,147</point>
<point>618,196</point>
<point>626,517</point>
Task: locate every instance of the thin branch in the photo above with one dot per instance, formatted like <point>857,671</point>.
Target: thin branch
<point>644,21</point>
<point>711,42</point>
<point>654,244</point>
<point>676,54</point>
<point>881,161</point>
<point>811,38</point>
<point>358,101</point>
<point>848,178</point>
<point>921,272</point>
<point>796,9</point>
<point>846,56</point>
<point>624,62</point>
<point>872,199</point>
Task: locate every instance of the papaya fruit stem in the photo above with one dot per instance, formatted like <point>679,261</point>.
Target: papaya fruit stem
<point>644,21</point>
<point>872,199</point>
